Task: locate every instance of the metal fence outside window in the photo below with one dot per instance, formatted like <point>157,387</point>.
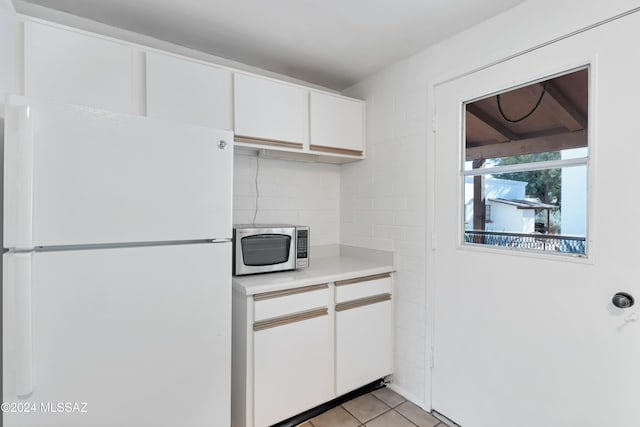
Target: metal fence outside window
<point>544,242</point>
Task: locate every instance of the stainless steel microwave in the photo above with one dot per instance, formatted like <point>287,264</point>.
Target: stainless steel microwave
<point>266,248</point>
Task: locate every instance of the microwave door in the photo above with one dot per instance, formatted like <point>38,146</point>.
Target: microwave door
<point>262,253</point>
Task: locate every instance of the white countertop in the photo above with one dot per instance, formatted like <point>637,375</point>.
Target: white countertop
<point>349,264</point>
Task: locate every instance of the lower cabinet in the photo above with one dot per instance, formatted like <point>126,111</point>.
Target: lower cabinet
<point>363,350</point>
<point>364,336</point>
<point>292,370</point>
<point>298,348</point>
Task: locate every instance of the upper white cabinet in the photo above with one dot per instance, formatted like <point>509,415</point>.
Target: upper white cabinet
<point>286,120</point>
<point>270,112</point>
<point>71,67</point>
<point>336,124</point>
<point>189,92</point>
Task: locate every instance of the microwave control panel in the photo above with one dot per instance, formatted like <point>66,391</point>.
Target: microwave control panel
<point>302,247</point>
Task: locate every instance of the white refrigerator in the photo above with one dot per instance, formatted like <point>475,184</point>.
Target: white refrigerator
<point>116,269</point>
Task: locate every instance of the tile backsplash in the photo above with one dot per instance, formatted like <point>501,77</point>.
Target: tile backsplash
<point>288,192</point>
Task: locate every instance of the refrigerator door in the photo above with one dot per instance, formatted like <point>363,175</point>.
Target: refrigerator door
<point>118,337</point>
<point>83,176</point>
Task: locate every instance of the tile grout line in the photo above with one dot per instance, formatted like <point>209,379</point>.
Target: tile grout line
<point>374,396</point>
<point>402,415</point>
<point>389,409</point>
<point>358,419</point>
<point>392,410</point>
<point>440,422</point>
<point>392,407</point>
<point>378,416</point>
<point>349,412</point>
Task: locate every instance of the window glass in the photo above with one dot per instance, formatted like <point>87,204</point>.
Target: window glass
<point>525,167</point>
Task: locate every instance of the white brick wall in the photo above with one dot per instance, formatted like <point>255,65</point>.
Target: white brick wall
<point>383,204</point>
<point>290,192</point>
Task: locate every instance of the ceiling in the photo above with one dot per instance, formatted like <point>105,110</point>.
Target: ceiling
<point>551,115</point>
<point>333,43</point>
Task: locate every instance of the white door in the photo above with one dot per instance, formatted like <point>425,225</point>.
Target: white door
<point>531,339</point>
<point>78,175</point>
<point>141,335</point>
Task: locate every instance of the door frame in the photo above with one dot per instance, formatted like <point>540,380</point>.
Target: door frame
<point>432,167</point>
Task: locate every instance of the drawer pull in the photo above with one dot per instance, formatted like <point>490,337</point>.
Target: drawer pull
<point>286,292</point>
<point>363,302</point>
<point>362,279</point>
<point>292,318</point>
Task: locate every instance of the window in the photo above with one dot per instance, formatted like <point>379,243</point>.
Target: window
<point>525,167</point>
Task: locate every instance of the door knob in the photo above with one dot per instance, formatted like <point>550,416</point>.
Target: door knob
<point>623,300</point>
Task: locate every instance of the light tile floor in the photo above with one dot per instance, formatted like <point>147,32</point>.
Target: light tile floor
<point>380,408</point>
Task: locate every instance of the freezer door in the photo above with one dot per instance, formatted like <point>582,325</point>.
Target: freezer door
<point>118,337</point>
<point>82,176</point>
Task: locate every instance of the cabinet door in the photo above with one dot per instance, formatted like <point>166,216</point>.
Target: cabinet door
<point>74,68</point>
<point>336,124</point>
<point>292,371</point>
<point>271,113</point>
<point>364,344</point>
<point>189,92</point>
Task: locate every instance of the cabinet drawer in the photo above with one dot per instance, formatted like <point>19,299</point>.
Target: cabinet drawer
<point>280,303</point>
<point>363,287</point>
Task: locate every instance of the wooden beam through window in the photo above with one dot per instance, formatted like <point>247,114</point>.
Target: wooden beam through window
<point>567,105</point>
<point>558,106</point>
<point>492,123</point>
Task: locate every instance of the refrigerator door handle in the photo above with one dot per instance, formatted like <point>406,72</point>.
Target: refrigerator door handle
<point>23,344</point>
<point>220,240</point>
<point>19,162</point>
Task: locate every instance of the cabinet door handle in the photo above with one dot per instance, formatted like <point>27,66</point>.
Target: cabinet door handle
<point>292,318</point>
<point>362,302</point>
<point>277,294</point>
<point>362,279</point>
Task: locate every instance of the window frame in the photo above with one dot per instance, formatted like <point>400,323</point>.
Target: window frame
<point>527,167</point>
